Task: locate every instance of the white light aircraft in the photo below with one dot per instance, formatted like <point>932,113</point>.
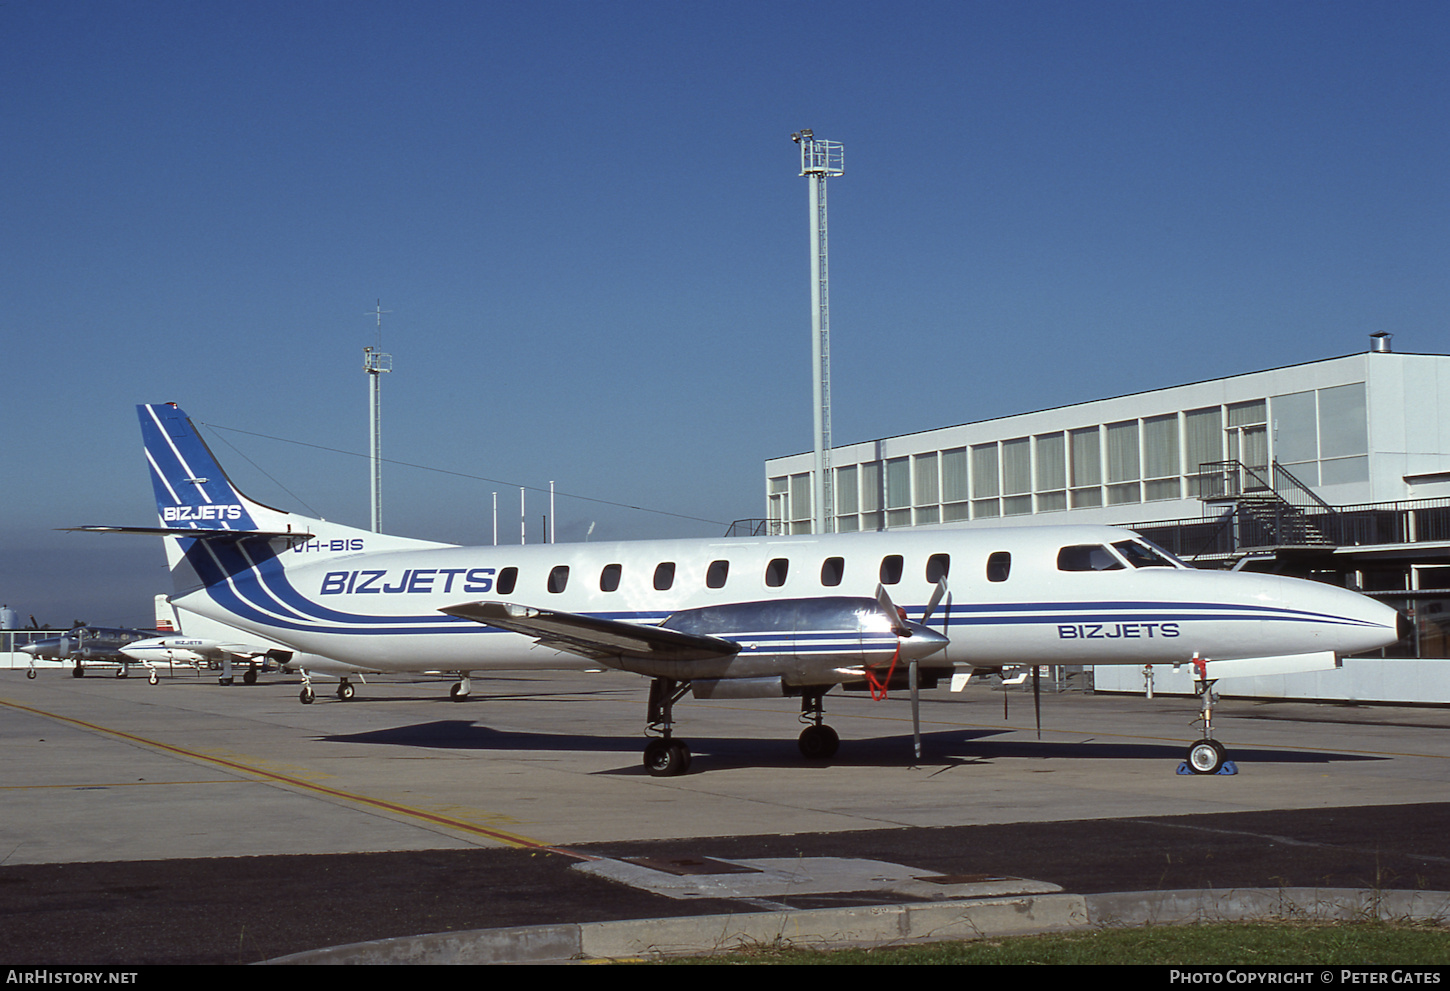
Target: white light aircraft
<point>205,641</point>
<point>735,618</point>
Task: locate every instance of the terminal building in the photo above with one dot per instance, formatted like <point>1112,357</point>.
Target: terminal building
<point>1337,470</point>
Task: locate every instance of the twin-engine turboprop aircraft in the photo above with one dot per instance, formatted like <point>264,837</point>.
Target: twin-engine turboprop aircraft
<point>732,618</point>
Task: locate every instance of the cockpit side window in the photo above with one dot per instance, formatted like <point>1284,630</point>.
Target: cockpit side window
<point>1087,557</point>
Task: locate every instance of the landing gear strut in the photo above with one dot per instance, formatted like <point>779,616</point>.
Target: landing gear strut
<point>817,741</point>
<point>1207,756</point>
<point>665,756</point>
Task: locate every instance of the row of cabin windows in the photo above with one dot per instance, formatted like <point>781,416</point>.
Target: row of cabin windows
<point>833,572</point>
<point>1081,557</point>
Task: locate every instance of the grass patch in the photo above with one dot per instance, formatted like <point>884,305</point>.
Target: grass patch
<point>1238,943</point>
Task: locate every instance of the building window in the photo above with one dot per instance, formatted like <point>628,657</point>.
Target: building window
<point>954,492</point>
<point>927,488</point>
<point>1017,476</point>
<point>1123,463</point>
<point>1051,461</point>
<point>898,492</point>
<point>1086,468</point>
<point>986,481</point>
<point>1160,458</point>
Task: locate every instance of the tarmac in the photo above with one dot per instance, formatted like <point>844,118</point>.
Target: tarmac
<point>190,823</point>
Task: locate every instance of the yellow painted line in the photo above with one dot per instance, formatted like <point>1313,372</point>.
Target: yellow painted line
<point>498,835</point>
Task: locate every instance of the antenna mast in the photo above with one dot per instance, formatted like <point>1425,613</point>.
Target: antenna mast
<point>819,160</point>
<point>375,363</point>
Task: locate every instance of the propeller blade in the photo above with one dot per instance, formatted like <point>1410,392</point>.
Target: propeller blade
<point>898,618</point>
<point>936,596</point>
<point>915,710</point>
<point>1037,698</point>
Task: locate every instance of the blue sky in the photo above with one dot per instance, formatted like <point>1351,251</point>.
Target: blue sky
<point>587,223</point>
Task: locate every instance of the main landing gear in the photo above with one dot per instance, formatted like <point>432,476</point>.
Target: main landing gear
<point>664,756</point>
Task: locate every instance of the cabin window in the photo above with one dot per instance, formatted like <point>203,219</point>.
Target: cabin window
<point>664,576</point>
<point>999,566</point>
<point>832,571</point>
<point>507,579</point>
<point>1087,557</point>
<point>776,571</point>
<point>609,578</point>
<point>559,578</point>
<point>716,574</point>
<point>937,567</point>
<point>891,569</point>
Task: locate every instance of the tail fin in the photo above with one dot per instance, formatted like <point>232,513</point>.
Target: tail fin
<point>194,496</point>
<point>166,618</point>
<point>192,490</point>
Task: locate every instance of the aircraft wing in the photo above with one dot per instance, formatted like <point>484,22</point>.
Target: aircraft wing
<point>593,637</point>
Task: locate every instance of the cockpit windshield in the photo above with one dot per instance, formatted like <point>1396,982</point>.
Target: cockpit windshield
<point>1141,554</point>
<point>1087,557</point>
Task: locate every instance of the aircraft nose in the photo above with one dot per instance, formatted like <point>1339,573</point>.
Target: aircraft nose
<point>1404,626</point>
<point>30,649</point>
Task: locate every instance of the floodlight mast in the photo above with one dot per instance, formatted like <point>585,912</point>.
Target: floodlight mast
<point>375,363</point>
<point>819,160</point>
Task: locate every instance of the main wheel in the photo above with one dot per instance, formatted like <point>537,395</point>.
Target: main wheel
<point>666,758</point>
<point>457,694</point>
<point>819,742</point>
<point>344,691</point>
<point>306,695</point>
<point>250,678</point>
<point>1205,757</point>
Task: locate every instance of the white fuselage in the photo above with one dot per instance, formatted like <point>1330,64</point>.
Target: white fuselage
<point>1010,601</point>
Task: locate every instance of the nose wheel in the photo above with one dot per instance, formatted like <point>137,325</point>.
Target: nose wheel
<point>1207,756</point>
<point>817,741</point>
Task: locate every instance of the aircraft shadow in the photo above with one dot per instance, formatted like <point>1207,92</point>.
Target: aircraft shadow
<point>954,747</point>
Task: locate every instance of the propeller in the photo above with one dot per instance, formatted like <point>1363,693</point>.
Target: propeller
<point>898,616</point>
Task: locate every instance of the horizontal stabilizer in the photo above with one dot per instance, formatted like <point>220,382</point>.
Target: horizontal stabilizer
<point>593,637</point>
<point>196,534</point>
